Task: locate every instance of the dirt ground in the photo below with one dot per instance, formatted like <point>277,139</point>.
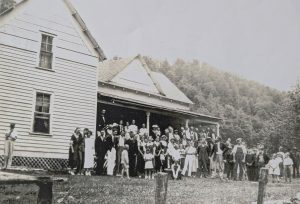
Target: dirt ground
<point>104,189</point>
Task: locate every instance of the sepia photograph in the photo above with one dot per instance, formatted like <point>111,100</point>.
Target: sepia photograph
<point>149,101</point>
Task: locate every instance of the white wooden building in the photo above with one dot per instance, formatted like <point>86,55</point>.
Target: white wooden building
<point>48,79</point>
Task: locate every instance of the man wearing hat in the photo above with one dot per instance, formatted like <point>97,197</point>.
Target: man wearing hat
<point>239,155</point>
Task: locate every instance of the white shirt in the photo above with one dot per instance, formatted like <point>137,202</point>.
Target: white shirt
<point>133,128</point>
<point>176,155</point>
<point>219,151</point>
<point>143,131</point>
<point>121,141</point>
<point>13,135</point>
<point>287,161</point>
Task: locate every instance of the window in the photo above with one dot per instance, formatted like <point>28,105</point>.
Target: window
<point>46,54</point>
<point>41,123</point>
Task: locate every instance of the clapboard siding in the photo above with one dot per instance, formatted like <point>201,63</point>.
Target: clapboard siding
<point>72,82</point>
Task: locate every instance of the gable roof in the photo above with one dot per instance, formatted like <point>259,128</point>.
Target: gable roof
<point>111,68</point>
<point>100,54</point>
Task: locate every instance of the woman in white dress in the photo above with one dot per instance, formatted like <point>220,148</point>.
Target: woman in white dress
<point>89,153</point>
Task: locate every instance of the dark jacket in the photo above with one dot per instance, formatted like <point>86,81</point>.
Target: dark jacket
<point>250,160</point>
<point>101,122</point>
<point>100,146</point>
<point>223,147</point>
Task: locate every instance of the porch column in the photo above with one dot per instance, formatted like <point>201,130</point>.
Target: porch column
<point>187,122</point>
<point>148,122</point>
<point>218,129</point>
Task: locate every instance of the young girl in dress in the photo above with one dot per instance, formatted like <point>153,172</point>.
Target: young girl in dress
<point>148,157</point>
<point>89,153</point>
<point>274,168</point>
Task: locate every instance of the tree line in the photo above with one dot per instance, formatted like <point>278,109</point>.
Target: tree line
<point>250,110</point>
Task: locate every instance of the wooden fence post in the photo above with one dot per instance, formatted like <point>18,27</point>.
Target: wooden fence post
<point>45,192</point>
<point>161,188</point>
<point>263,180</point>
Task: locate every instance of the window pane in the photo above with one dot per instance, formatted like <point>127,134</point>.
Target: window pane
<point>46,98</point>
<point>41,123</point>
<point>44,38</point>
<point>49,48</point>
<point>42,103</point>
<point>43,46</point>
<point>46,52</point>
<point>50,40</point>
<point>45,60</point>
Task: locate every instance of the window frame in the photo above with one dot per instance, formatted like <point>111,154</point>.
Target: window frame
<point>40,41</point>
<point>35,92</point>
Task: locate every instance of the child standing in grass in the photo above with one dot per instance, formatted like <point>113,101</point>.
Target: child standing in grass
<point>125,161</point>
<point>148,157</point>
<point>288,166</point>
<point>274,168</point>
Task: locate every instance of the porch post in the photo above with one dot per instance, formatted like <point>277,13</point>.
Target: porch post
<point>148,122</point>
<point>218,129</point>
<point>187,123</point>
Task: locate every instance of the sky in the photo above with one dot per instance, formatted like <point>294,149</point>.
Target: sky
<point>255,39</point>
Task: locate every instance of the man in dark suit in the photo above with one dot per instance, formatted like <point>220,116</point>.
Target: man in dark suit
<point>102,120</point>
<point>132,153</point>
<point>100,150</point>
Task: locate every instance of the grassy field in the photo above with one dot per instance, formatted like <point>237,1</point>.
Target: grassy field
<point>80,189</point>
<point>95,189</point>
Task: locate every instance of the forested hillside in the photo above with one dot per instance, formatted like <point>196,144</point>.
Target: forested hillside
<point>249,110</point>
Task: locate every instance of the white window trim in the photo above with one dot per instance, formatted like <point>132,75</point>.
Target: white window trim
<point>35,91</point>
<point>53,51</point>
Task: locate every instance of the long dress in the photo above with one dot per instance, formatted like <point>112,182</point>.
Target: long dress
<point>89,153</point>
<point>76,156</point>
<point>140,159</point>
<point>111,161</point>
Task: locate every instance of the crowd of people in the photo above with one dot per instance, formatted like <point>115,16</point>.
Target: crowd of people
<point>124,149</point>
